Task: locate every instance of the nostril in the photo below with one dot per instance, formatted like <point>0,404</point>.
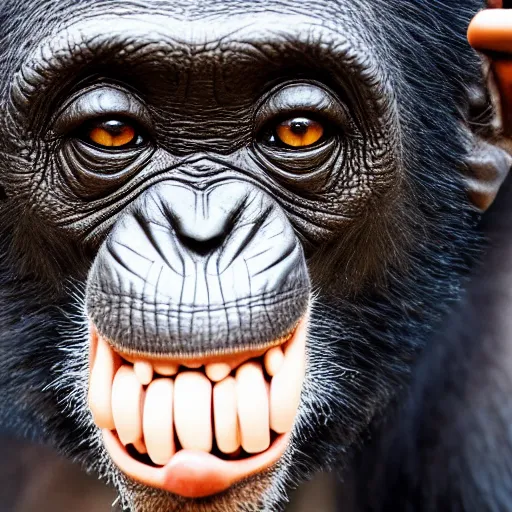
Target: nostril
<point>202,246</point>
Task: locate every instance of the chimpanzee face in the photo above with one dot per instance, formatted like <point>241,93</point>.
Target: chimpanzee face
<point>238,189</point>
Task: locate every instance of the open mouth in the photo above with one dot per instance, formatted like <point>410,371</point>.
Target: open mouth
<point>195,426</point>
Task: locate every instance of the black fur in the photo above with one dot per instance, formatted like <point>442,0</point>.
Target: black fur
<point>450,446</point>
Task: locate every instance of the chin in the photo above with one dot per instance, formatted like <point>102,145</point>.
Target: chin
<point>256,493</point>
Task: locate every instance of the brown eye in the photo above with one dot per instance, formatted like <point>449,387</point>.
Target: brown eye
<point>299,132</point>
<point>113,133</point>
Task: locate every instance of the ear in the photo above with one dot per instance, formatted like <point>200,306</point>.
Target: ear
<point>489,157</point>
<point>486,169</point>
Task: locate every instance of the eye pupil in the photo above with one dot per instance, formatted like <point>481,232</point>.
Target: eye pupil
<point>299,126</point>
<point>115,127</point>
<point>299,132</point>
<point>113,133</point>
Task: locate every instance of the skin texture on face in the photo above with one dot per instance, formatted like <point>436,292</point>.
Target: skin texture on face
<point>235,224</point>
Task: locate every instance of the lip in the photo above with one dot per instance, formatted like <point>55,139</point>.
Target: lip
<point>234,359</point>
<point>192,473</point>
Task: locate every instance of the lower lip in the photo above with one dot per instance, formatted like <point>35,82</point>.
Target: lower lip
<point>191,473</point>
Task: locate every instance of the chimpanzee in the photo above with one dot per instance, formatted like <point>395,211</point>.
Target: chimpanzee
<point>227,231</point>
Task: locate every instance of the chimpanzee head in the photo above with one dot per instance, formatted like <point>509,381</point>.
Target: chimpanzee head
<point>227,229</point>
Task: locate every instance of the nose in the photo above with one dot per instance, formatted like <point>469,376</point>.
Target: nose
<point>204,232</point>
<point>150,283</point>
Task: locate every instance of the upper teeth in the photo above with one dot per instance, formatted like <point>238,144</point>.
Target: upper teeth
<point>147,411</point>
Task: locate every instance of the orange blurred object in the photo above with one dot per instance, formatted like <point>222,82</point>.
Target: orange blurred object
<point>490,32</point>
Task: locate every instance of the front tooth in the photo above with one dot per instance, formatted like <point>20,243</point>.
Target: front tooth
<point>144,372</point>
<point>105,364</point>
<point>253,409</point>
<point>227,433</point>
<point>192,411</point>
<point>217,371</point>
<point>166,369</point>
<point>127,403</point>
<point>273,360</point>
<point>158,421</point>
<point>286,386</point>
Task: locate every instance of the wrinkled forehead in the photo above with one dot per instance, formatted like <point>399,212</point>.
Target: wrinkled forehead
<point>197,24</point>
<point>164,43</point>
<point>215,12</point>
<point>193,54</point>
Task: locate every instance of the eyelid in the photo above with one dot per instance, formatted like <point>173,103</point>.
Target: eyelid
<point>103,102</point>
<point>300,99</point>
